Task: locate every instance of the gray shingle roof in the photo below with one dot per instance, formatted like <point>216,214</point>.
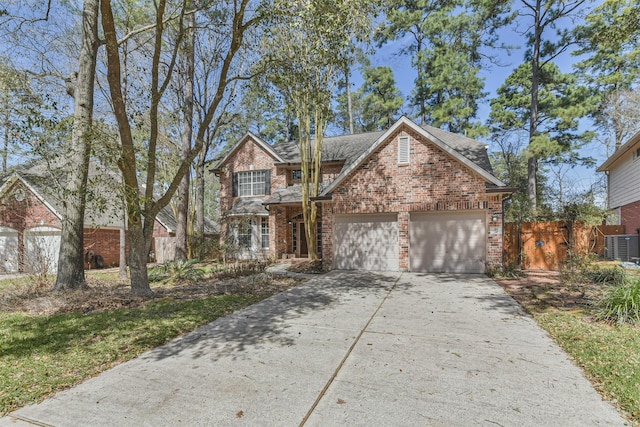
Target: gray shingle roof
<point>473,150</point>
<point>334,148</point>
<point>248,207</point>
<point>104,208</point>
<point>168,219</point>
<point>291,194</point>
<point>350,147</point>
<point>104,200</point>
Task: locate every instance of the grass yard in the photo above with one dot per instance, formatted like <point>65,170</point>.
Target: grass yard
<point>609,355</point>
<point>52,341</point>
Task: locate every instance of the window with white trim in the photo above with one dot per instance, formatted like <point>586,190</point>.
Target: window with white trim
<point>252,183</point>
<point>636,154</point>
<point>264,232</point>
<point>403,150</point>
<point>244,231</point>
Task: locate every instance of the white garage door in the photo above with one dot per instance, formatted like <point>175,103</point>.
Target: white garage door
<point>366,242</point>
<point>447,242</point>
<point>42,247</point>
<point>8,250</point>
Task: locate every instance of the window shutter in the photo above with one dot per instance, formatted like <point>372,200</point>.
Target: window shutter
<point>403,149</point>
<point>234,185</point>
<point>267,182</point>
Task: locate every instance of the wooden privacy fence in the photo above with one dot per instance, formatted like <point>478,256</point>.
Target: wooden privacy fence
<point>164,249</point>
<point>547,245</point>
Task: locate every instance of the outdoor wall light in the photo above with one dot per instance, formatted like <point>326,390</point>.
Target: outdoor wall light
<point>496,216</point>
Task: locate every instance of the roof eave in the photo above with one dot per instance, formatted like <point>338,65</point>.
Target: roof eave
<point>337,162</point>
<point>628,146</point>
<point>502,190</point>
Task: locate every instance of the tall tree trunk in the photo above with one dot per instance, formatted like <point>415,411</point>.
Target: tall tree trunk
<point>347,74</point>
<point>198,226</point>
<point>5,152</point>
<point>140,236</point>
<point>532,164</point>
<point>183,190</point>
<point>71,258</point>
<point>122,273</point>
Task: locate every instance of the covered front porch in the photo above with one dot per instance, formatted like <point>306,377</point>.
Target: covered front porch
<point>290,236</point>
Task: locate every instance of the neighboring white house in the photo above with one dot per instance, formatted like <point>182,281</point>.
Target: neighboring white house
<point>623,179</point>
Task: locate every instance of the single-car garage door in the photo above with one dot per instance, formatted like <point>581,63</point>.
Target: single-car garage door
<point>42,246</point>
<point>366,242</point>
<point>447,242</point>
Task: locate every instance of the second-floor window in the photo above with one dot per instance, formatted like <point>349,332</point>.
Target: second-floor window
<point>252,183</point>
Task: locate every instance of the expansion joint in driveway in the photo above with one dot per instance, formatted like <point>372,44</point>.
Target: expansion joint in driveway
<point>346,356</point>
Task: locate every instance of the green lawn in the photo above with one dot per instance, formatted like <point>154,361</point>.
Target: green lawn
<point>40,355</point>
<point>610,355</point>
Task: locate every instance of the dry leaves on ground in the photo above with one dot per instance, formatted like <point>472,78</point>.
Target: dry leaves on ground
<point>104,295</point>
<point>540,290</point>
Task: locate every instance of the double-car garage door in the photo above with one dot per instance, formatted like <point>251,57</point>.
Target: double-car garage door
<point>439,242</point>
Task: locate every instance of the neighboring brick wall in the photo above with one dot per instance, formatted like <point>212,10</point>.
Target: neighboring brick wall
<point>25,214</point>
<point>433,180</point>
<point>104,242</point>
<point>31,212</point>
<point>630,217</point>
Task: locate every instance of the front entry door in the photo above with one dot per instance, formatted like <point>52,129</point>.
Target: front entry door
<point>303,250</point>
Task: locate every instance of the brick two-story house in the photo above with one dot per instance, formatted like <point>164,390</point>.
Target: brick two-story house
<point>411,198</point>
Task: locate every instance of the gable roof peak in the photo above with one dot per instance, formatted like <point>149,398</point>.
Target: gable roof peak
<point>247,137</point>
<point>446,141</point>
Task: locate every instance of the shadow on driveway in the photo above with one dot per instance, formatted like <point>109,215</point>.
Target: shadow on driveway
<point>269,321</point>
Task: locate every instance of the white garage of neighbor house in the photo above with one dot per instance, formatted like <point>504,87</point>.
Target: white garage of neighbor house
<point>30,224</point>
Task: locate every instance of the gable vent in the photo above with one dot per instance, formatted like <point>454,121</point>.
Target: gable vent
<point>403,149</point>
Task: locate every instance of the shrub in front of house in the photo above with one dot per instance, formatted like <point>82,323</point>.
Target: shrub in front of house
<point>621,303</point>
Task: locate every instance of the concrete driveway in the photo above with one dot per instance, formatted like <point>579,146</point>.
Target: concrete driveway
<point>347,348</point>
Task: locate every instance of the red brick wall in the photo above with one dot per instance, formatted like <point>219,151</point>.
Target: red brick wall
<point>104,242</point>
<point>25,214</point>
<point>433,180</point>
<point>630,217</point>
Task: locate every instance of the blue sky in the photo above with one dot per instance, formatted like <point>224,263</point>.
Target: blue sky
<point>578,179</point>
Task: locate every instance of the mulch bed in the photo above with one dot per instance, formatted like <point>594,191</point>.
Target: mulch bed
<point>308,267</point>
<point>539,290</point>
<point>102,295</point>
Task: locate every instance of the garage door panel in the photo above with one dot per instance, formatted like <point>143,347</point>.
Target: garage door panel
<point>366,242</point>
<point>451,242</point>
<point>8,250</point>
<point>42,247</point>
